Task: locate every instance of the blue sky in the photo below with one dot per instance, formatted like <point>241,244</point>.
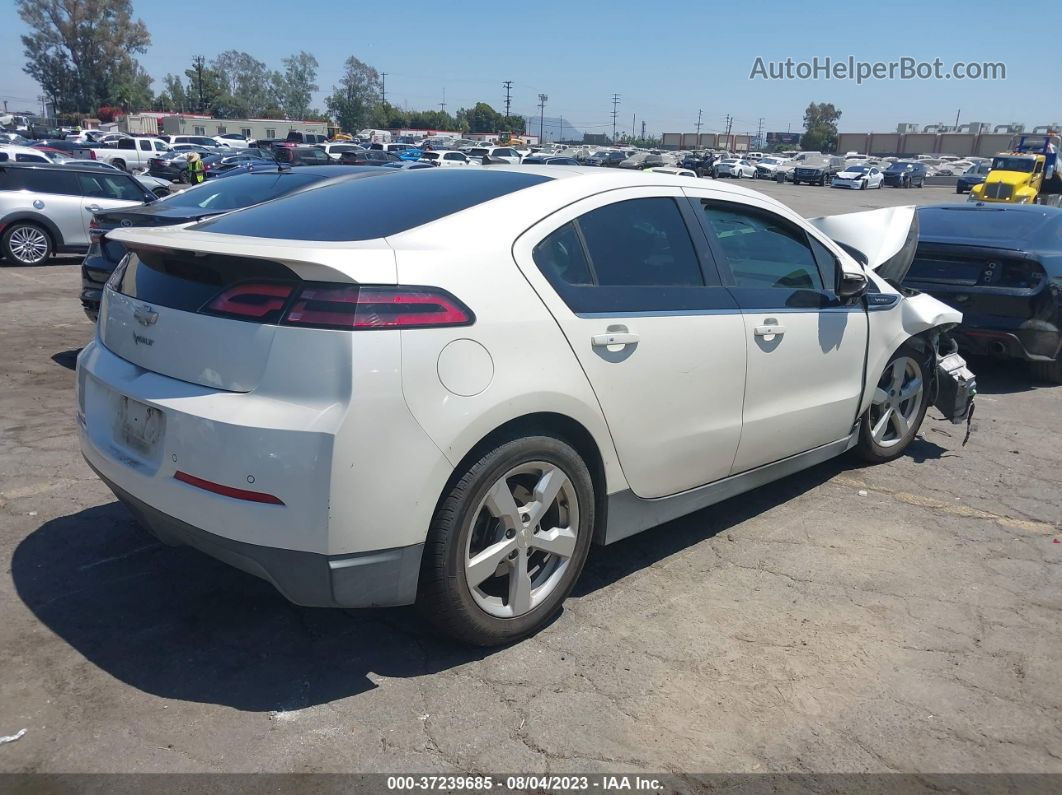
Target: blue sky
<point>664,62</point>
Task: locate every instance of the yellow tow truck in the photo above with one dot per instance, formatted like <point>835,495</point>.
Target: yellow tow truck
<point>1025,174</point>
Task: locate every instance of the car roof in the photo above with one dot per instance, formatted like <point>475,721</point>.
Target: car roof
<point>57,167</point>
<point>508,211</point>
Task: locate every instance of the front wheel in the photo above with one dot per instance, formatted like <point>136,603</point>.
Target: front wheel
<point>896,410</point>
<point>507,542</point>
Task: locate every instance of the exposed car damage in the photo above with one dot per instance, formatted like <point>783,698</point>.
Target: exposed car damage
<point>885,241</point>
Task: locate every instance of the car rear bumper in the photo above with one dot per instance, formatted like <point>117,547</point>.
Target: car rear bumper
<point>282,466</point>
<point>1029,344</point>
<point>385,578</point>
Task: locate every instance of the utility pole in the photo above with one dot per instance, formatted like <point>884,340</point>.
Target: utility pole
<point>615,104</point>
<point>699,112</point>
<point>957,118</point>
<point>729,123</point>
<point>643,129</point>
<point>508,97</point>
<point>442,105</point>
<point>199,64</point>
<point>383,88</point>
<point>759,134</point>
<point>542,98</point>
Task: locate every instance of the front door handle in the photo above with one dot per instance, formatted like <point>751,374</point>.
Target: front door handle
<point>93,208</point>
<point>614,338</point>
<point>769,331</point>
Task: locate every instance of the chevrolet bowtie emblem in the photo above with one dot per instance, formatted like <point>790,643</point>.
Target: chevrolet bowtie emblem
<point>145,315</point>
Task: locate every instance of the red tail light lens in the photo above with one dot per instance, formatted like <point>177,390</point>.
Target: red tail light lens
<point>351,307</point>
<point>92,154</point>
<point>339,306</point>
<point>263,302</point>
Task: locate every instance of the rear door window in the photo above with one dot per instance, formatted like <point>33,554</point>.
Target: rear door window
<point>637,255</point>
<point>49,181</point>
<point>641,242</point>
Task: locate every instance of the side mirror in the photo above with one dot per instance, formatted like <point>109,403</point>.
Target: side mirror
<point>851,285</point>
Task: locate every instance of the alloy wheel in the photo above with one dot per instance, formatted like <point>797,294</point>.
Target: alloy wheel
<point>522,539</point>
<point>896,402</point>
<point>28,244</point>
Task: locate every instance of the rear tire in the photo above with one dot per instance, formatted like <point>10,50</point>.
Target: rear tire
<point>901,397</point>
<point>26,243</point>
<point>494,525</point>
<point>119,163</point>
<point>1051,372</point>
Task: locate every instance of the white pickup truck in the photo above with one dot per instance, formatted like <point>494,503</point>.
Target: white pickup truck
<point>133,153</point>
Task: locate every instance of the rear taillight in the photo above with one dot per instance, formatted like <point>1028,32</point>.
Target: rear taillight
<point>351,307</point>
<point>92,154</point>
<point>340,306</point>
<point>261,302</point>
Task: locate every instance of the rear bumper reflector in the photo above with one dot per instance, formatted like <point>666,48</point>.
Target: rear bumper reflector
<point>227,491</point>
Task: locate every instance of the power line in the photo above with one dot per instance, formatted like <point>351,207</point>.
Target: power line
<point>615,104</point>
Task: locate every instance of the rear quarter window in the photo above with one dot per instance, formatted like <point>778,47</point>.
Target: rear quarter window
<point>365,209</point>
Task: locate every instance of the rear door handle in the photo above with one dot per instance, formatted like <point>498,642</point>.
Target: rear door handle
<point>613,338</point>
<point>767,331</point>
<point>93,208</point>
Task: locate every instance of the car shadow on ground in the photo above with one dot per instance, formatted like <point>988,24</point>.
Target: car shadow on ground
<point>175,623</point>
<point>67,359</point>
<point>1003,376</point>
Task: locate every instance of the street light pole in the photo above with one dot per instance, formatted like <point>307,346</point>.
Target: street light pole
<point>542,99</point>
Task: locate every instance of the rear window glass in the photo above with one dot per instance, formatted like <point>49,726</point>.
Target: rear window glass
<point>239,191</point>
<point>980,222</point>
<point>366,209</point>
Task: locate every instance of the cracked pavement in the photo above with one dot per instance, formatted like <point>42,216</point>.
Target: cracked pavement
<point>904,617</point>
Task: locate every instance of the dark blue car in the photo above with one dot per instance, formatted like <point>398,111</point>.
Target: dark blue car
<point>1001,266</point>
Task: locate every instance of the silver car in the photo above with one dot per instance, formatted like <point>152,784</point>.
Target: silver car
<point>46,209</point>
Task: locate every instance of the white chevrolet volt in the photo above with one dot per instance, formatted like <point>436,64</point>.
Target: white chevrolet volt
<point>442,386</point>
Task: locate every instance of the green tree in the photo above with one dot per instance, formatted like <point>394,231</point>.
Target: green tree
<point>820,125</point>
<point>355,98</point>
<point>79,50</point>
<point>132,88</point>
<point>294,87</point>
<point>206,88</point>
<point>246,84</point>
<point>173,96</point>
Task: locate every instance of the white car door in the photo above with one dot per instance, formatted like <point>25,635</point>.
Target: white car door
<point>806,348</point>
<point>630,280</point>
<point>875,178</point>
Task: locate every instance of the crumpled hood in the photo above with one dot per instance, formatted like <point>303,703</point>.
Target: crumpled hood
<point>884,240</point>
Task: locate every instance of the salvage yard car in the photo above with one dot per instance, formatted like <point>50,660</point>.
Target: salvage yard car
<point>441,386</point>
<point>817,170</point>
<point>905,174</point>
<point>46,208</point>
<point>1001,265</point>
<point>859,177</point>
